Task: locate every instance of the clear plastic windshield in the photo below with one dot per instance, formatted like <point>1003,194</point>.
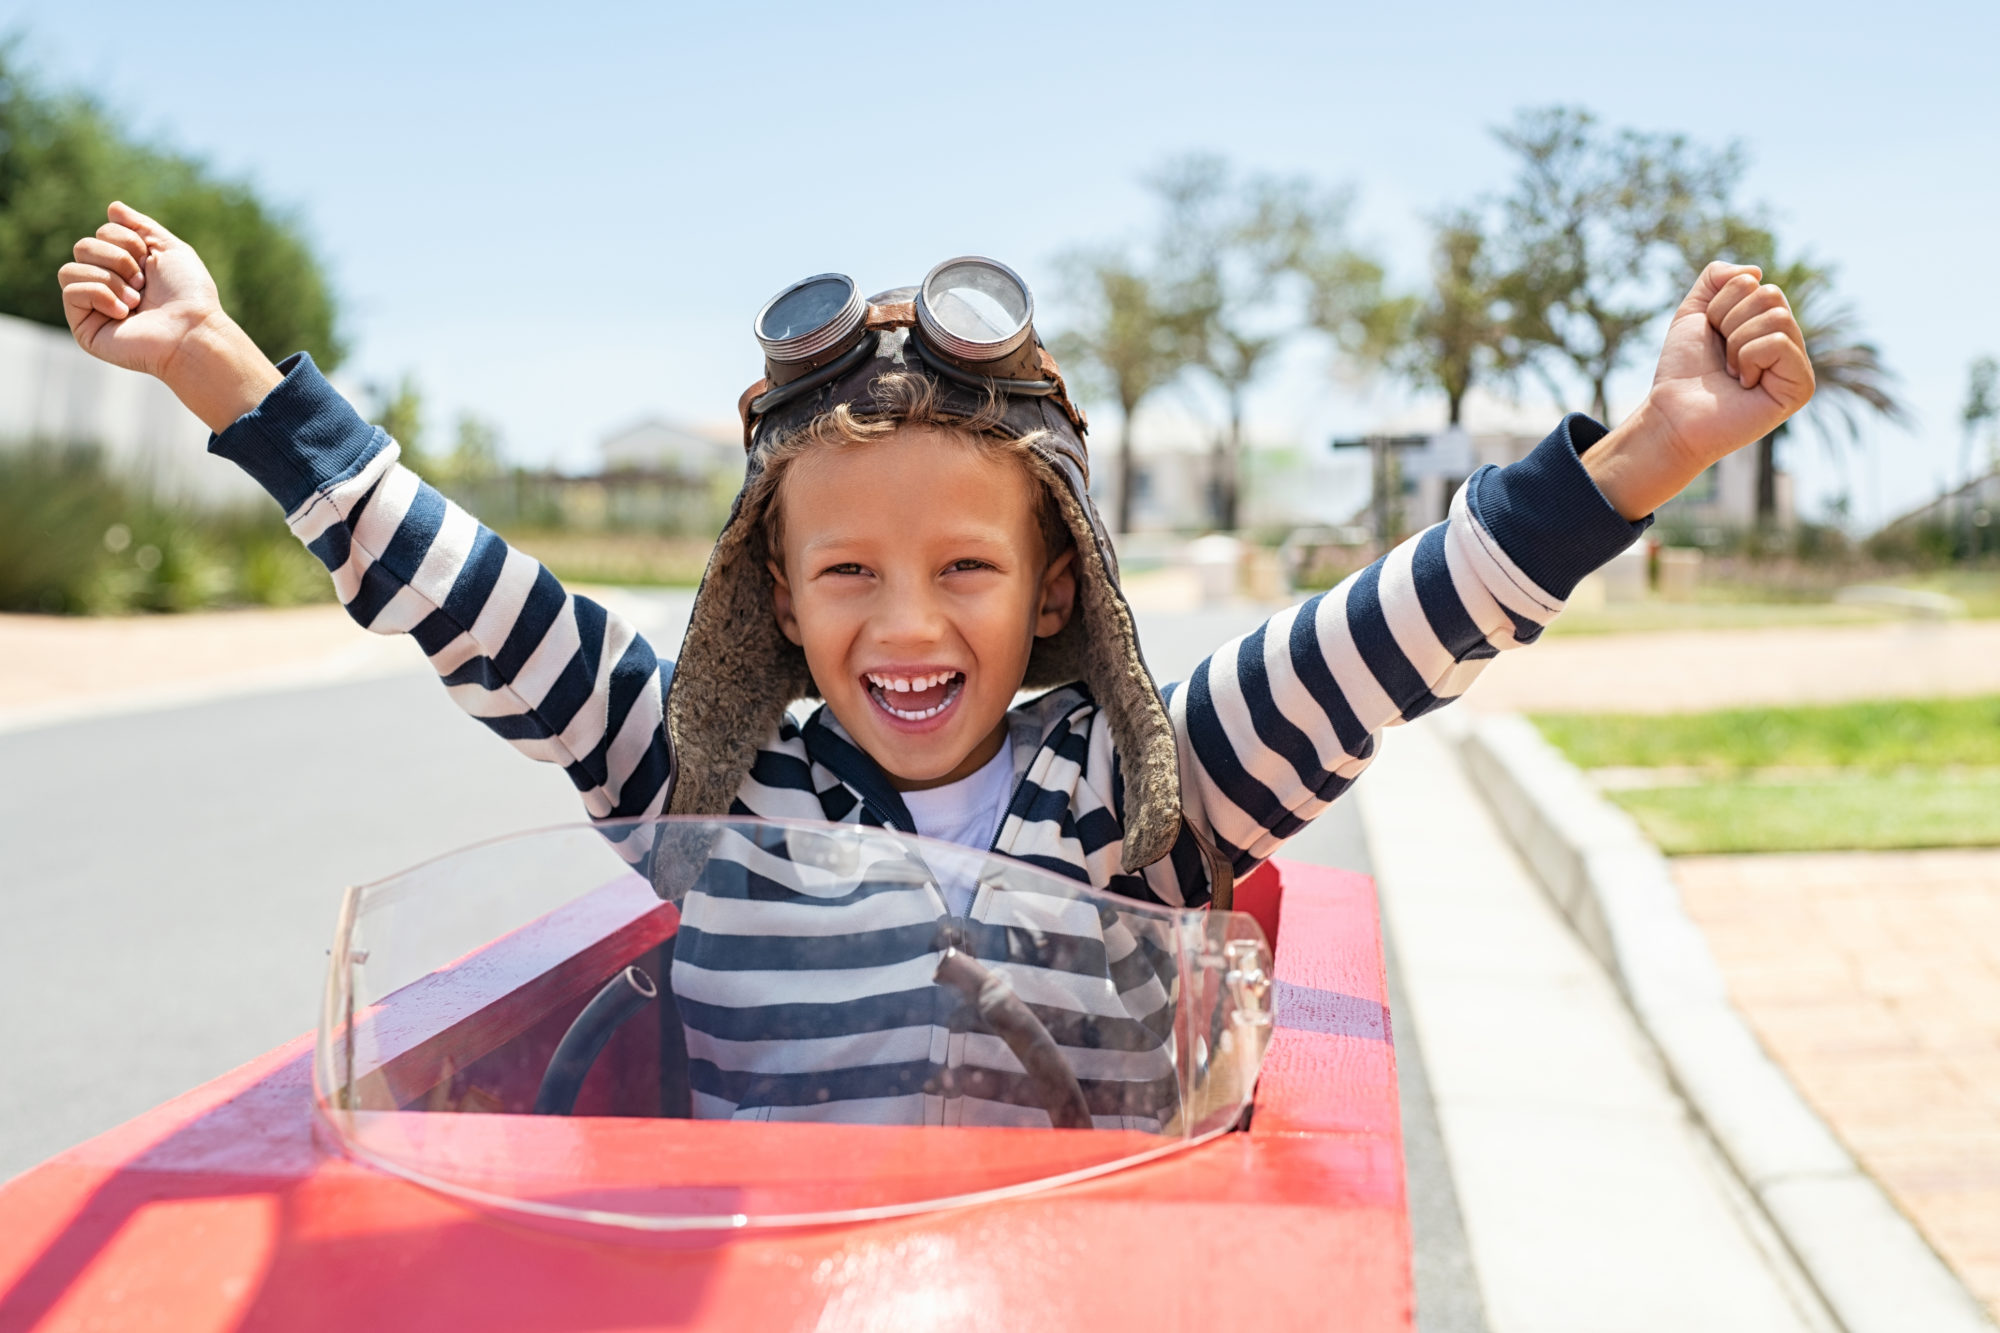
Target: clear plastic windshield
<point>687,1024</point>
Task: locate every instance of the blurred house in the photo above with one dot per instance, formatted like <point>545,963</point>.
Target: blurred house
<point>1282,485</point>
<point>1961,522</point>
<point>53,392</point>
<point>1725,497</point>
<point>1170,488</point>
<point>1432,472</point>
<point>1431,467</point>
<point>656,445</point>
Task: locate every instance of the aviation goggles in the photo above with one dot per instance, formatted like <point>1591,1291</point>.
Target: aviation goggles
<point>971,322</point>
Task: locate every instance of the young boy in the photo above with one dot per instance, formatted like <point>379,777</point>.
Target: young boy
<point>914,544</point>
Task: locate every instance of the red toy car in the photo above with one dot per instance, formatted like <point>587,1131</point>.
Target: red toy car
<point>686,1076</point>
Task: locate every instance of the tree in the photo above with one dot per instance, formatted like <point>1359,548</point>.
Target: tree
<point>1129,336</point>
<point>1852,378</point>
<point>1345,297</point>
<point>1593,238</point>
<point>1231,250</point>
<point>400,411</point>
<point>62,159</point>
<point>475,452</point>
<point>1982,410</point>
<point>1451,336</point>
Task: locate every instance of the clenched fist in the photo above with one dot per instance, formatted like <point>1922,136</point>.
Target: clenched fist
<point>139,297</point>
<point>135,292</point>
<point>1733,369</point>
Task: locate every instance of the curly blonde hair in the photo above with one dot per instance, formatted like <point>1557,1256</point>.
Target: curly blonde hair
<point>906,400</point>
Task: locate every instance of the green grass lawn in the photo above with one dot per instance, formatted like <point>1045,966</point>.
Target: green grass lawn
<point>1901,773</point>
<point>1654,615</point>
<point>1979,589</point>
<point>1737,600</point>
<point>1836,813</point>
<point>1894,734</point>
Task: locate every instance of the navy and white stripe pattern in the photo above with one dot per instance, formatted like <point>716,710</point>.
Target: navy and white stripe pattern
<point>1272,727</point>
<point>556,676</point>
<point>1277,724</point>
<point>807,993</point>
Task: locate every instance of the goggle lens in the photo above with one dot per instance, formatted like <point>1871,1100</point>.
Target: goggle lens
<point>809,317</point>
<point>805,308</point>
<point>975,309</point>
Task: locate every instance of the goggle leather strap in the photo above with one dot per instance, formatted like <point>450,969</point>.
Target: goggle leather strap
<point>937,363</point>
<point>743,412</point>
<point>771,399</point>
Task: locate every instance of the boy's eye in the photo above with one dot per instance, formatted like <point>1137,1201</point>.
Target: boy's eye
<point>960,566</point>
<point>847,568</point>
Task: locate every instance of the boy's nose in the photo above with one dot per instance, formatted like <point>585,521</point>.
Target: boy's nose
<point>909,616</point>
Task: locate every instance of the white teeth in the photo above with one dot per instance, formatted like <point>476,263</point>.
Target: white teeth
<point>884,684</point>
<point>905,684</point>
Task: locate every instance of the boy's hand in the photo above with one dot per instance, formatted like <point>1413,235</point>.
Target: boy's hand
<point>139,297</point>
<point>1733,369</point>
<point>136,292</point>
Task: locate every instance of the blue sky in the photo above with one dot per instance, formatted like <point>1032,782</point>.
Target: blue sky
<point>564,218</point>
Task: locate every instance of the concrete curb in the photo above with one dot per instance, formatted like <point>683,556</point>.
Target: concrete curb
<point>1875,1272</point>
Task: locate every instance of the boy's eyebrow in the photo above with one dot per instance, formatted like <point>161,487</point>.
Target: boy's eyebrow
<point>992,535</point>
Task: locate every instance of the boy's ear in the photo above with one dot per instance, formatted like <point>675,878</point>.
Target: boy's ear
<point>781,603</point>
<point>1058,595</point>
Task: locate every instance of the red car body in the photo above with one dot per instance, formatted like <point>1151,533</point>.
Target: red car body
<point>228,1208</point>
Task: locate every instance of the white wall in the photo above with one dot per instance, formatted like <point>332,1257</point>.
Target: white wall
<point>51,389</point>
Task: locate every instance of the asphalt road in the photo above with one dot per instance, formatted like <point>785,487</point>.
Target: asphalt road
<point>168,883</point>
<point>168,880</point>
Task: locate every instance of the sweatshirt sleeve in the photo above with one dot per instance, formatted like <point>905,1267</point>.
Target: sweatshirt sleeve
<point>1275,725</point>
<point>556,676</point>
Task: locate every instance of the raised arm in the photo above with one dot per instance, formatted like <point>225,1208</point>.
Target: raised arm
<point>1277,724</point>
<point>558,677</point>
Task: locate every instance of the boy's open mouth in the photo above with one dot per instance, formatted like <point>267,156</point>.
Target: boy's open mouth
<point>914,698</point>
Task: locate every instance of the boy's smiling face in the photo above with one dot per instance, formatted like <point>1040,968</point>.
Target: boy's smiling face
<point>913,575</point>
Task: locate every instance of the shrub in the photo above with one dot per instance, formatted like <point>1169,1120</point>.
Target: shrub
<point>1926,544</point>
<point>75,538</point>
<point>56,505</point>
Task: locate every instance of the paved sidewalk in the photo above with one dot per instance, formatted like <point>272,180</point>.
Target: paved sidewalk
<point>1590,1200</point>
<point>56,669</point>
<point>1690,671</point>
<point>48,659</point>
<point>1874,979</point>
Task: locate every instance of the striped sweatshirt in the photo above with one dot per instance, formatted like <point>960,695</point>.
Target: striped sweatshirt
<point>1272,727</point>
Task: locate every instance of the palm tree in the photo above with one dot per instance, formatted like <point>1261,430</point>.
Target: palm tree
<point>1982,407</point>
<point>1240,254</point>
<point>1852,379</point>
<point>1227,244</point>
<point>1444,339</point>
<point>1132,339</point>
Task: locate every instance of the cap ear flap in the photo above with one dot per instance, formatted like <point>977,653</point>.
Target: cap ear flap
<point>1100,647</point>
<point>737,672</point>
